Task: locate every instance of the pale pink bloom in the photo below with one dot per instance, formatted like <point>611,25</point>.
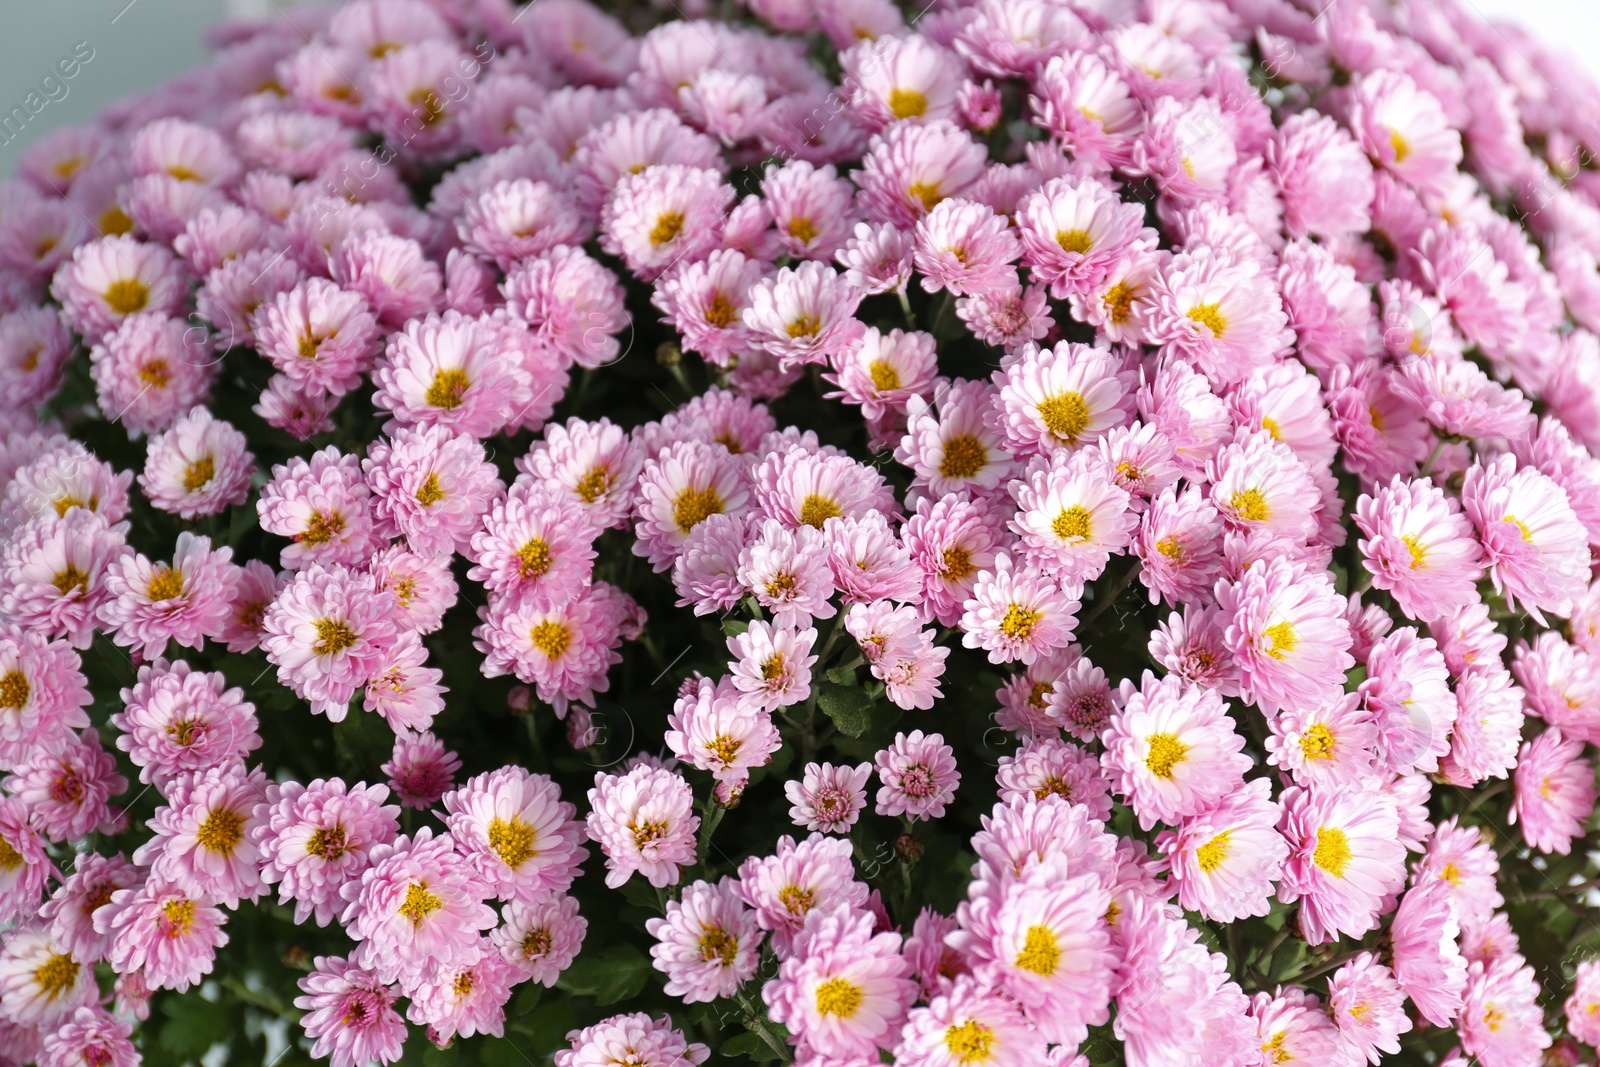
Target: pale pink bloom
<point>1192,646</point>
<point>150,370</point>
<point>45,695</point>
<point>328,632</point>
<point>62,476</point>
<point>1172,750</point>
<point>899,79</point>
<point>1403,129</point>
<point>1072,518</point>
<point>845,991</point>
<point>403,689</point>
<point>1049,766</point>
<point>1460,400</point>
<point>300,412</point>
<point>1178,543</point>
<point>653,1041</point>
<point>319,336</point>
<point>1007,318</point>
<point>1322,175</point>
<point>391,273</point>
<point>885,370</point>
<point>1534,545</point>
<point>705,574</point>
<point>177,721</point>
<point>323,507</point>
<point>202,837</point>
<point>42,984</point>
<point>1017,614</point>
<point>34,348</point>
<point>1292,1027</point>
<point>431,487</point>
<point>787,572</point>
<point>185,601</point>
<point>772,665</point>
<point>1081,101</point>
<point>632,142</point>
<point>1187,146</point>
<point>877,258</point>
<point>463,999</point>
<point>967,248</point>
<point>708,944</point>
<point>1419,547</point>
<point>705,300</point>
<point>663,214</point>
<point>952,540</point>
<point>1407,694</point>
<point>1224,860</point>
<point>1211,308</point>
<point>910,167</point>
<point>1501,1022</point>
<point>452,372</point>
<point>198,467</point>
<point>518,219</point>
<point>90,1036</point>
<point>113,278</point>
<point>1582,1008</point>
<point>1345,859</point>
<point>541,940</point>
<point>1489,721</point>
<point>1465,861</point>
<point>955,442</point>
<point>563,648</point>
<point>534,543</point>
<point>67,792</point>
<point>570,303</point>
<point>1427,963</point>
<point>313,839</point>
<point>53,574</point>
<point>804,314</point>
<point>801,487</point>
<point>420,770</point>
<point>22,880</point>
<point>1368,1007</point>
<point>868,561</point>
<point>594,463</point>
<point>350,1015</point>
<point>678,489</point>
<point>919,776</point>
<point>1562,684</point>
<point>1043,936</point>
<point>422,586</point>
<point>517,832</point>
<point>714,728</point>
<point>795,880</point>
<point>1075,231</point>
<point>168,935</point>
<point>70,910</point>
<point>1555,791</point>
<point>1259,486</point>
<point>235,289</point>
<point>1468,638</point>
<point>1063,397</point>
<point>1179,402</point>
<point>829,798</point>
<point>1329,746</point>
<point>644,822</point>
<point>1287,633</point>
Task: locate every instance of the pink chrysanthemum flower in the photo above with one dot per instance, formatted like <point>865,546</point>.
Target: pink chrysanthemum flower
<point>1179,542</point>
<point>1419,547</point>
<point>431,487</point>
<point>911,167</point>
<point>22,876</point>
<point>185,601</point>
<point>663,214</point>
<point>349,1015</point>
<point>804,314</point>
<point>829,798</point>
<point>199,467</point>
<point>1059,398</point>
<point>403,689</point>
<point>1208,307</point>
<point>1224,860</point>
<point>113,278</point>
<point>708,945</point>
<point>594,463</point>
<point>787,571</point>
<point>1534,545</point>
<point>1330,746</point>
<point>517,832</point>
<point>90,1036</point>
<point>969,1023</point>
<point>1404,130</point>
<point>1501,1022</point>
<point>571,303</point>
<point>1079,99</point>
<point>900,79</point>
<point>1407,694</point>
<point>450,372</point>
<point>62,476</point>
<point>919,776</point>
<point>1043,937</point>
<point>877,259</point>
<point>167,934</point>
<point>868,561</point>
<point>68,792</point>
<point>1048,765</point>
<point>1074,231</point>
<point>1071,517</point>
<point>1345,858</point>
<point>1287,632</point>
<point>202,837</point>
<point>705,300</point>
<point>42,984</point>
<point>1582,1008</point>
<point>955,443</point>
<point>967,248</point>
<point>463,999</point>
<point>150,370</point>
<point>541,940</point>
<point>53,574</point>
<point>800,487</point>
<point>70,910</point>
<point>1017,614</point>
<point>813,209</point>
<point>1172,750</point>
<point>1007,318</point>
<point>952,540</point>
<point>177,721</point>
<point>845,991</point>
<point>885,371</point>
<point>44,694</point>
<point>418,904</point>
<point>1561,681</point>
<point>1259,486</point>
<point>1555,791</point>
<point>328,632</point>
<point>563,648</point>
<point>678,489</point>
<point>319,336</point>
<point>420,770</point>
<point>652,1041</point>
<point>422,586</point>
<point>1489,721</point>
<point>1368,1007</point>
<point>534,543</point>
<point>391,273</point>
<point>797,879</point>
<point>713,727</point>
<point>643,821</point>
<point>1427,963</point>
<point>706,573</point>
<point>34,348</point>
<point>518,219</point>
<point>323,507</point>
<point>313,839</point>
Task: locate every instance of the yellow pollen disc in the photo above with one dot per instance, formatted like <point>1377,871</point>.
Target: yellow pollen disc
<point>1171,548</point>
<point>907,103</point>
<point>971,1042</point>
<point>182,732</point>
<point>1271,426</point>
<point>56,975</point>
<point>1166,752</point>
<point>1358,1011</point>
<point>1019,622</point>
<point>462,986</point>
<point>797,901</point>
<point>534,559</point>
<point>720,311</point>
<point>197,475</point>
<point>593,486</point>
<point>1211,855</point>
<point>512,840</point>
<point>930,195</point>
<point>724,749</point>
<point>807,325</point>
<point>884,377</point>
<point>419,903</point>
<point>177,917</point>
<point>803,230</point>
<point>957,564</point>
<point>1040,953</point>
<point>667,228</point>
<point>1317,742</point>
<point>1053,785</point>
<point>183,173</point>
<point>1274,1050</point>
<point>772,670</point>
<point>125,296</point>
<point>10,858</point>
<point>449,387</point>
<point>70,579</point>
<point>817,510</point>
<point>165,583</point>
<point>321,528</point>
<point>647,832</point>
<point>1073,524</point>
<point>1282,640</point>
<point>65,504</point>
<point>430,492</point>
<point>156,374</point>
<point>1333,851</point>
<point>1118,303</point>
<point>838,996</point>
<point>964,457</point>
<point>551,638</point>
<point>14,691</point>
<point>1419,552</point>
<point>1250,505</point>
<point>1527,534</point>
<point>1401,146</point>
<point>1492,1017</point>
<point>114,222</point>
<point>429,108</point>
<point>67,168</point>
<point>1066,416</point>
<point>535,944</point>
<point>717,944</point>
<point>307,348</point>
<point>221,832</point>
<point>693,506</point>
<point>1210,316</point>
<point>781,585</point>
<point>1451,874</point>
<point>333,637</point>
<point>1077,241</point>
<point>327,843</point>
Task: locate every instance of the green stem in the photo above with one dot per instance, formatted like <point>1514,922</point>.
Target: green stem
<point>758,1022</point>
<point>1102,603</point>
<point>708,826</point>
<point>905,307</point>
<point>1433,457</point>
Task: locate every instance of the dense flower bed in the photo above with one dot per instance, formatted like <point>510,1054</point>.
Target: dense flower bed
<point>1007,533</point>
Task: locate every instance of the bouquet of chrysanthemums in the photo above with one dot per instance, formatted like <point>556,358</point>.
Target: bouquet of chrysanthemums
<point>1021,533</point>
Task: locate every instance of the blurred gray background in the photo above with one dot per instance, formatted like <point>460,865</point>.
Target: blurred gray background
<point>139,44</point>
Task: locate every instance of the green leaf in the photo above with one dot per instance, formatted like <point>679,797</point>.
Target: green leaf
<point>846,705</point>
<point>614,973</point>
<point>735,627</point>
<point>749,1044</point>
<point>193,1028</point>
<point>526,1000</point>
<point>843,675</point>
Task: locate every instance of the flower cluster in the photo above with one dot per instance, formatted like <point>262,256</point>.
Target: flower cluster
<point>1096,501</point>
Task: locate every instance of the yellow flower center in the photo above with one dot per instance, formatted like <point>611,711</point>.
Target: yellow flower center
<point>1281,640</point>
<point>551,638</point>
<point>512,840</point>
<point>1527,534</point>
<point>964,456</point>
<point>198,474</point>
<point>1171,548</point>
<point>327,843</point>
<point>1072,524</point>
<point>803,230</point>
<point>1419,552</point>
<point>125,296</point>
<point>177,917</point>
<point>593,486</point>
<point>430,492</point>
<point>1317,742</point>
<point>806,325</point>
<point>838,996</point>
<point>1210,316</point>
<point>907,103</point>
<point>884,377</point>
<point>667,228</point>
<point>449,386</point>
<point>1211,854</point>
<point>817,510</point>
<point>1118,303</point>
<point>156,374</point>
<point>797,900</point>
<point>533,558</point>
<point>1333,851</point>
<point>333,637</point>
<point>221,832</point>
<point>56,975</point>
<point>720,311</point>
<point>114,222</point>
<point>419,903</point>
<point>1077,241</point>
<point>693,506</point>
<point>10,858</point>
<point>535,944</point>
<point>165,583</point>
<point>1250,505</point>
<point>321,528</point>
<point>971,1042</point>
<point>14,691</point>
<point>70,579</point>
<point>717,944</point>
<point>647,833</point>
<point>1401,146</point>
<point>1166,752</point>
<point>1066,416</point>
<point>1040,953</point>
<point>929,194</point>
<point>1019,622</point>
<point>957,563</point>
